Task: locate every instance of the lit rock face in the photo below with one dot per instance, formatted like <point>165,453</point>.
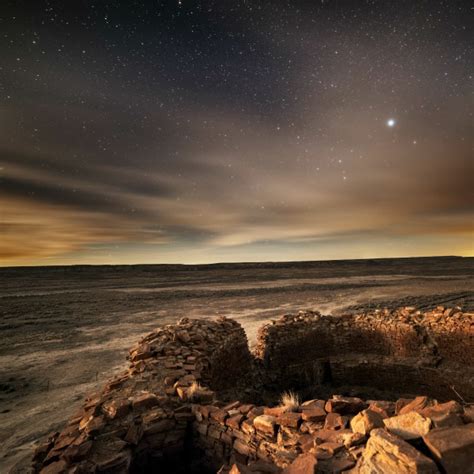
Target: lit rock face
<point>385,453</point>
<point>411,425</point>
<point>186,400</point>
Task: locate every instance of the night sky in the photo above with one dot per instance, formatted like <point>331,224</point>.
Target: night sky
<point>156,132</point>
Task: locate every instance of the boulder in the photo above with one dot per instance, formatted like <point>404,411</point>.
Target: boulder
<point>366,421</point>
<point>453,448</point>
<point>409,426</point>
<point>386,453</point>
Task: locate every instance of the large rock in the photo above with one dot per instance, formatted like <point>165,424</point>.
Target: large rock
<point>453,447</point>
<point>366,421</point>
<point>386,453</point>
<point>409,426</point>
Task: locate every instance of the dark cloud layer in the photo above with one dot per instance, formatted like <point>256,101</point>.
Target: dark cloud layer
<point>209,131</point>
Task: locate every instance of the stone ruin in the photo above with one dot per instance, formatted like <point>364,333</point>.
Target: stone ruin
<point>380,392</point>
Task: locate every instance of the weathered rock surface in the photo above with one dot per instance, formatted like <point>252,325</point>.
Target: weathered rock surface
<point>386,453</point>
<point>365,421</point>
<point>408,426</point>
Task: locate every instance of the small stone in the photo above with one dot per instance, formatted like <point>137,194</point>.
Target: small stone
<point>344,405</point>
<point>332,447</point>
<point>58,467</point>
<point>334,421</point>
<point>303,464</point>
<point>408,426</point>
<point>385,408</point>
<point>274,411</point>
<point>134,434</point>
<point>145,400</point>
<point>235,421</point>
<point>290,419</point>
<point>242,448</point>
<point>116,408</point>
<point>265,424</point>
<point>418,404</point>
<point>183,336</point>
<point>313,414</point>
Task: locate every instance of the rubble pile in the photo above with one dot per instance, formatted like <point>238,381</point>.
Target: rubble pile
<point>339,434</point>
<point>171,412</point>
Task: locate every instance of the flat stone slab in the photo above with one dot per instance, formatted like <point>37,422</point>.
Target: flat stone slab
<point>411,425</point>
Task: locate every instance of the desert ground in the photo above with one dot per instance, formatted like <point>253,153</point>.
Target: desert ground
<point>65,330</point>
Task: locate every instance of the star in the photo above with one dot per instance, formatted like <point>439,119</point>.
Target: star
<point>391,122</point>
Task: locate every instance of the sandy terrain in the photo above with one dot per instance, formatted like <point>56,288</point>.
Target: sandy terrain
<point>65,330</point>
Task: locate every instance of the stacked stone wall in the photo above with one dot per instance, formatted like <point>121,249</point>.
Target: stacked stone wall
<point>403,351</point>
<point>141,419</point>
<point>166,412</point>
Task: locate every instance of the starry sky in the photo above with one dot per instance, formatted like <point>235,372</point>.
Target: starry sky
<point>136,131</point>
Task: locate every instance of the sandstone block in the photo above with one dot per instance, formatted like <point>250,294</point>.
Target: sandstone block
<point>265,424</point>
<point>366,421</point>
<point>242,448</point>
<point>344,405</point>
<point>235,421</point>
<point>116,408</point>
<point>290,419</point>
<point>313,414</point>
<point>145,400</point>
<point>385,408</point>
<point>334,421</point>
<point>408,426</point>
<point>303,464</point>
<point>418,404</point>
<point>388,454</point>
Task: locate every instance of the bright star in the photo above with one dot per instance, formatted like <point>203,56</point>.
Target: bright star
<point>391,122</point>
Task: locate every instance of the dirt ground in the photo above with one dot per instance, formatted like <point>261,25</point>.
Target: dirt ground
<point>65,330</point>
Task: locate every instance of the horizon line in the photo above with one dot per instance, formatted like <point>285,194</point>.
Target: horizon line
<point>250,262</point>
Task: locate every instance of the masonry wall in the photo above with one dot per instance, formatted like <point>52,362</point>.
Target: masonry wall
<point>154,413</point>
<point>403,351</point>
<point>141,419</point>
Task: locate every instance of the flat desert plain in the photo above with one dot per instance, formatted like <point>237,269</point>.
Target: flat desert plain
<point>65,330</point>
